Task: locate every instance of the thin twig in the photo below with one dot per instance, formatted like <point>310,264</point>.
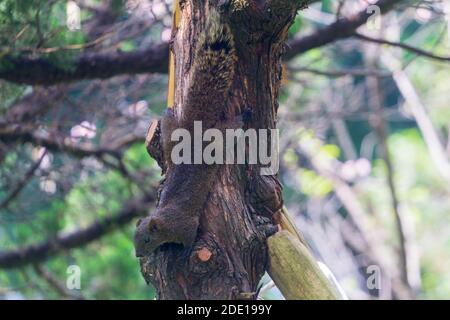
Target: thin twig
<point>415,50</point>
<point>22,183</point>
<point>55,284</point>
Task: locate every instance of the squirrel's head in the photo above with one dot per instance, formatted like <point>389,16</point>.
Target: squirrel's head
<point>151,232</point>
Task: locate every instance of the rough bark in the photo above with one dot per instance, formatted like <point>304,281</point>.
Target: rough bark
<point>229,256</point>
<point>39,252</point>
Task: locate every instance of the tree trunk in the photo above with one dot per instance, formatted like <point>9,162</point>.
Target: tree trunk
<point>229,255</point>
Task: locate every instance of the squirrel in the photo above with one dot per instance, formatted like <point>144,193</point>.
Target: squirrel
<point>212,76</point>
<point>186,186</point>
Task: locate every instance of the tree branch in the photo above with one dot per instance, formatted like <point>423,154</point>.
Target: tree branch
<point>342,73</point>
<point>34,104</point>
<point>55,284</point>
<point>14,133</point>
<point>404,46</point>
<point>296,272</point>
<point>26,70</point>
<point>22,183</point>
<point>371,238</point>
<point>39,252</point>
<point>420,114</point>
<point>381,130</point>
<point>342,28</point>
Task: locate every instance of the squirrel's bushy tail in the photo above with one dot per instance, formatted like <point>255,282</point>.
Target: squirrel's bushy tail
<point>213,70</point>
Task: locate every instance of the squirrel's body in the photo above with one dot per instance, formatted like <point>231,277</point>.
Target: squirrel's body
<point>211,80</point>
<point>187,186</point>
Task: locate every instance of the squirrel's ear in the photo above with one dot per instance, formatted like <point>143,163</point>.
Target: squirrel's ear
<point>138,223</point>
<point>153,224</point>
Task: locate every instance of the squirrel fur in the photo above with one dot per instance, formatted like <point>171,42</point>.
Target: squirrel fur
<point>186,186</point>
<point>212,76</point>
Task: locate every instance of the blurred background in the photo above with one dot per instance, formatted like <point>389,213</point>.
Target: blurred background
<point>365,144</point>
